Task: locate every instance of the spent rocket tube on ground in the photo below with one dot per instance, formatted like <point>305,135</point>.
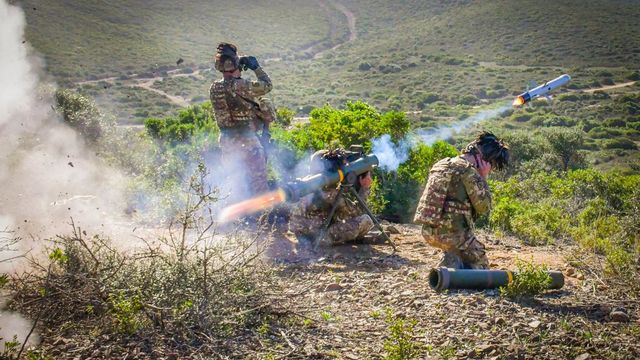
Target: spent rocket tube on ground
<point>294,190</point>
<point>541,90</point>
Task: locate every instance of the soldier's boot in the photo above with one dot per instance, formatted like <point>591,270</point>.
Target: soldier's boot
<point>451,261</point>
<point>475,257</point>
<point>473,253</point>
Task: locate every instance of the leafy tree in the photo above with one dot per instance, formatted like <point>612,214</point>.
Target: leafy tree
<point>566,143</point>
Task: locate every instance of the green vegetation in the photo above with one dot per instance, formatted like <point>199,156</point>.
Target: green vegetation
<point>597,210</point>
<point>192,291</point>
<point>529,280</point>
<point>400,344</point>
<point>395,194</point>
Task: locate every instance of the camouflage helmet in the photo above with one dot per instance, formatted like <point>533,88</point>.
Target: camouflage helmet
<point>226,57</point>
<point>492,149</point>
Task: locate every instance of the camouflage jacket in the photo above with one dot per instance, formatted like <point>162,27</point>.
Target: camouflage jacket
<point>454,196</point>
<point>318,204</point>
<point>236,101</point>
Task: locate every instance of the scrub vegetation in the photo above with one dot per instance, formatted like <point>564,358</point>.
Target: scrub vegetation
<point>571,192</point>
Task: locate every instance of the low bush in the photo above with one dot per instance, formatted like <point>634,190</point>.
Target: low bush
<point>529,280</point>
<point>187,292</point>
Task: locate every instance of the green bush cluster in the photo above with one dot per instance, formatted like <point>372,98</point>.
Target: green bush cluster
<point>596,210</point>
<point>194,123</point>
<point>529,280</point>
<point>400,344</point>
<point>395,194</point>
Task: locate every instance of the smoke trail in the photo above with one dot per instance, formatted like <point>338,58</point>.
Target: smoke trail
<point>392,155</point>
<point>428,137</point>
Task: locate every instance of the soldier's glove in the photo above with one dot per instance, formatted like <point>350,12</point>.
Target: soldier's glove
<point>248,62</point>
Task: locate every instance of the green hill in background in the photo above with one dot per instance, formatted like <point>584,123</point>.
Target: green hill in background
<point>437,61</point>
<point>90,39</point>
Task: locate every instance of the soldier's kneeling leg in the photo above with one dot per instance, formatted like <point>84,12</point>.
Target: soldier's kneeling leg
<point>350,229</point>
<point>473,252</point>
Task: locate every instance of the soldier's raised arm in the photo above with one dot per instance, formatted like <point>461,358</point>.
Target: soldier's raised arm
<point>477,190</point>
<point>253,88</point>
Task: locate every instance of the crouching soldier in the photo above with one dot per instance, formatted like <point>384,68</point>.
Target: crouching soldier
<point>455,195</point>
<point>309,215</point>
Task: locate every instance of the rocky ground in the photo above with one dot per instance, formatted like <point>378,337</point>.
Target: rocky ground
<point>347,302</point>
<point>346,296</point>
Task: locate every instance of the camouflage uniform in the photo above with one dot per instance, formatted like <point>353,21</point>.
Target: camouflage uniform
<point>239,111</point>
<point>454,196</point>
<point>349,221</point>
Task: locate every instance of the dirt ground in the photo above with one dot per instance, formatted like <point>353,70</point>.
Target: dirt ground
<point>344,296</point>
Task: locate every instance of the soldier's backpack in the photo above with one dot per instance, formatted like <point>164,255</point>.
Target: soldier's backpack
<point>432,203</point>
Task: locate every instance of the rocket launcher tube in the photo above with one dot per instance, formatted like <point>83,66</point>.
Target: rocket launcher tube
<point>295,190</point>
<point>443,278</point>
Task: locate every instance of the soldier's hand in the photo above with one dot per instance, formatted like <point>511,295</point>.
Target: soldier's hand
<point>484,168</point>
<point>242,63</point>
<point>248,62</point>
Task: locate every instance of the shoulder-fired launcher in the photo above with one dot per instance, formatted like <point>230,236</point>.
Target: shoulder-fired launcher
<point>348,172</point>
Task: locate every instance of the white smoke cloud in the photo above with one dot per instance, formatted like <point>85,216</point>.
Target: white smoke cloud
<point>47,174</point>
<point>391,155</point>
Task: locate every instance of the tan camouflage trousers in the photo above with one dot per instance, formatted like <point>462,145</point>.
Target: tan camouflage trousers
<point>245,163</point>
<point>338,233</point>
<point>457,246</point>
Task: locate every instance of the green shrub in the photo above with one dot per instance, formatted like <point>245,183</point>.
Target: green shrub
<point>82,114</point>
<point>529,280</point>
<point>400,344</point>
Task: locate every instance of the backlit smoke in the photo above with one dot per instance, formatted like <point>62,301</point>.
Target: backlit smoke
<point>47,175</point>
<point>391,155</point>
<point>430,136</point>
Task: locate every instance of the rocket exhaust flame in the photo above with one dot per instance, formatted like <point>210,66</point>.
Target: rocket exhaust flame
<point>253,205</point>
<point>518,101</point>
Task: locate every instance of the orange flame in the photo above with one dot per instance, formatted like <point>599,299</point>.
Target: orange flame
<point>518,101</point>
<point>247,207</point>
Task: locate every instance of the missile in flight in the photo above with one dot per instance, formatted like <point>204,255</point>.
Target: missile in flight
<point>541,90</point>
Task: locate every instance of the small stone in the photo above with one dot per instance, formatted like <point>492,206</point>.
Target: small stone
<point>534,324</point>
<point>619,316</point>
<point>499,321</point>
<point>392,229</point>
<point>483,326</point>
<point>584,356</point>
<point>333,287</point>
<point>484,349</point>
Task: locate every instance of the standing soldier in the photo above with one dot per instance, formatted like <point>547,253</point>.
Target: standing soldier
<point>455,195</point>
<point>240,112</point>
<point>308,216</point>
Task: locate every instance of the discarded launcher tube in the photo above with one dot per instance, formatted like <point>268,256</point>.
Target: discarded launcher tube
<point>296,189</point>
<point>443,278</point>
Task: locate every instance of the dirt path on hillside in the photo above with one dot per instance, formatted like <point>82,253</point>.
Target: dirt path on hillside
<point>351,295</point>
<point>609,87</point>
<point>134,80</point>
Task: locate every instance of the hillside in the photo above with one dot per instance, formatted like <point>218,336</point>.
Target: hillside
<point>114,235</point>
<point>411,49</point>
